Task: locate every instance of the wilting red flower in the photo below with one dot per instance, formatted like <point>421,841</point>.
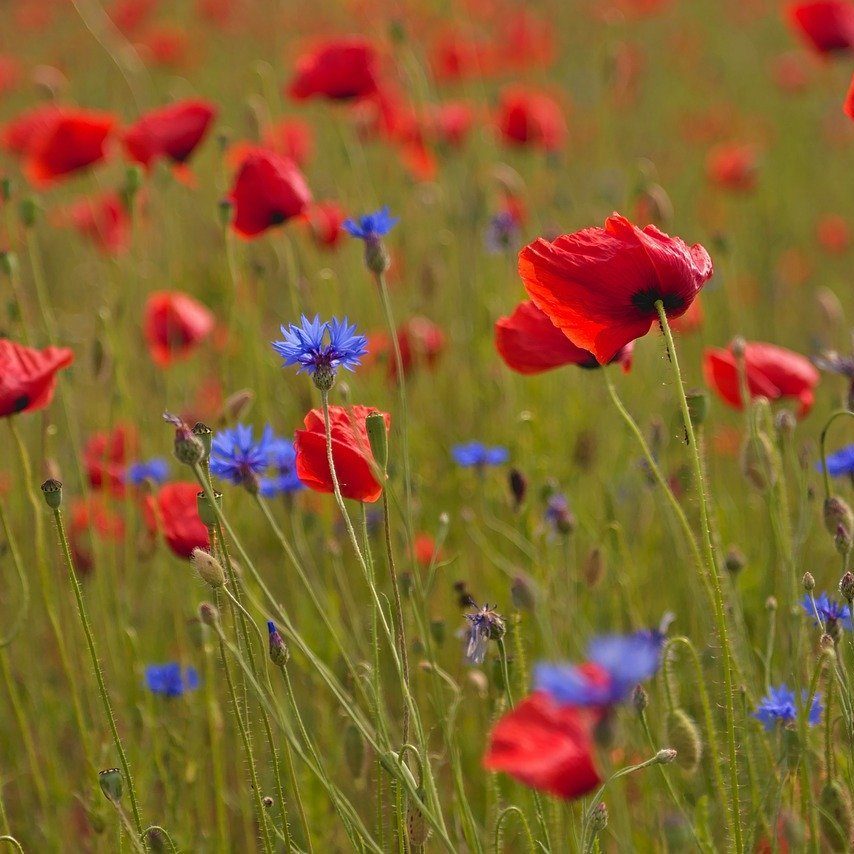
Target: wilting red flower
<point>28,376</point>
<point>342,69</point>
<point>179,520</point>
<point>92,515</point>
<point>848,106</point>
<point>292,138</point>
<point>106,456</point>
<point>103,220</point>
<point>772,372</point>
<point>452,122</point>
<point>172,132</point>
<point>174,324</point>
<point>20,134</point>
<point>526,117</point>
<point>530,343</point>
<point>833,233</point>
<point>733,167</point>
<point>600,285</point>
<point>351,452</point>
<point>267,191</point>
<point>545,746</point>
<point>73,140</point>
<point>825,25</point>
<point>324,220</point>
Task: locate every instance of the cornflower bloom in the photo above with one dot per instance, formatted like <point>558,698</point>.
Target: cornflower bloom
<point>237,457</point>
<point>169,681</point>
<point>779,705</point>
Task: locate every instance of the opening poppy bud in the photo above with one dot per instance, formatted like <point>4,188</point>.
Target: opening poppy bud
<point>28,210</point>
<point>205,435</point>
<point>376,256</point>
<point>518,487</point>
<point>593,568</point>
<point>809,582</point>
<point>735,560</point>
<point>52,490</point>
<point>665,756</point>
<point>522,594</point>
<point>378,439</point>
<point>640,699</point>
<point>8,263</point>
<point>758,462</point>
<point>683,734</point>
<point>836,513</point>
<point>846,586</point>
<point>842,541</point>
<point>156,839</point>
<point>278,648</point>
<point>110,782</point>
<point>837,817</point>
<point>205,508</point>
<point>698,407</point>
<point>208,614</point>
<point>208,567</point>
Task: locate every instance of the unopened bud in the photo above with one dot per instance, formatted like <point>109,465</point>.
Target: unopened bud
<point>518,487</point>
<point>28,211</point>
<point>52,490</point>
<point>683,734</point>
<point>808,582</point>
<point>758,462</point>
<point>640,699</point>
<point>846,586</point>
<point>836,513</point>
<point>278,648</point>
<point>522,594</point>
<point>599,818</point>
<point>208,567</point>
<point>665,756</point>
<point>771,603</point>
<point>208,614</point>
<point>785,422</point>
<point>698,406</point>
<point>738,347</point>
<point>224,209</point>
<point>8,263</point>
<point>842,540</point>
<point>734,561</point>
<point>267,801</point>
<point>236,405</point>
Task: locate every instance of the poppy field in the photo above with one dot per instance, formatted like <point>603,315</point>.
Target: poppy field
<point>427,426</point>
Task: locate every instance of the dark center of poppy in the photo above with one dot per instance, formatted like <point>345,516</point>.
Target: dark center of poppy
<point>20,403</point>
<point>277,217</point>
<point>645,301</point>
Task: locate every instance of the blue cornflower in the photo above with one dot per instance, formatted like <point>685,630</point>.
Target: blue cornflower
<point>236,455</point>
<point>558,513</point>
<point>779,705</point>
<point>502,232</point>
<point>839,462</point>
<point>169,681</point>
<point>617,663</point>
<point>281,458</point>
<point>155,469</point>
<point>484,625</point>
<point>320,348</point>
<point>371,226</point>
<point>829,610</point>
<point>477,454</point>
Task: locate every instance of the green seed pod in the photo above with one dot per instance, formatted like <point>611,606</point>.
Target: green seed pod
<point>837,819</point>
<point>206,511</point>
<point>378,437</point>
<point>205,435</point>
<point>111,784</point>
<point>684,735</point>
<point>52,490</point>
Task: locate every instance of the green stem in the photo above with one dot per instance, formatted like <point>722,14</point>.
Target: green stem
<point>822,441</point>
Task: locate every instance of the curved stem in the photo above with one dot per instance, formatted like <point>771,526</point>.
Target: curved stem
<point>822,439</point>
<point>499,827</point>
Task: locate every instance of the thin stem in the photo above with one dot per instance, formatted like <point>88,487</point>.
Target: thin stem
<point>822,441</point>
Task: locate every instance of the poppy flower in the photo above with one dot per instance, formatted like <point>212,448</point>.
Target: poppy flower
<point>690,322</point>
<point>20,134</point>
<point>451,123</point>
<point>106,456</point>
<point>179,520</point>
<point>92,515</point>
<point>10,73</point>
<point>825,25</point>
<point>325,220</point>
<point>833,233</point>
<point>529,343</point>
<point>733,167</point>
<point>848,106</point>
<point>421,342</point>
<point>772,372</point>
<point>168,47</point>
<point>526,117</point>
<point>130,15</point>
<point>73,140</point>
<point>173,325</point>
<point>424,548</point>
<point>342,69</point>
<point>546,746</point>
<point>104,220</point>
<point>292,138</point>
<point>28,376</point>
<point>267,191</point>
<point>454,57</point>
<point>351,452</point>
<point>172,132</point>
<point>600,285</point>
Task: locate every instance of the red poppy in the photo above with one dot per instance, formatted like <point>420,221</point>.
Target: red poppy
<point>421,343</point>
<point>20,134</point>
<point>292,138</point>
<point>343,69</point>
<point>10,73</point>
<point>825,25</point>
<point>267,191</point>
<point>848,106</point>
<point>106,456</point>
<point>424,547</point>
<point>452,122</point>
<point>166,46</point>
<point>172,132</point>
<point>351,452</point>
<point>790,71</point>
<point>530,343</point>
<point>173,325</point>
<point>733,167</point>
<point>130,15</point>
<point>545,746</point>
<point>71,141</point>
<point>772,372</point>
<point>455,57</point>
<point>526,117</point>
<point>833,233</point>
<point>92,515</point>
<point>324,220</point>
<point>28,376</point>
<point>600,285</point>
<point>179,520</point>
<point>103,220</point>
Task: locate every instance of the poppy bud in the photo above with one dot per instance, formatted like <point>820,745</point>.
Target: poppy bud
<point>809,582</point>
<point>836,513</point>
<point>683,734</point>
<point>518,487</point>
<point>376,256</point>
<point>224,209</point>
<point>640,699</point>
<point>198,632</point>
<point>208,614</point>
<point>593,569</point>
<point>738,347</point>
<point>698,406</point>
<point>52,490</point>
<point>846,586</point>
<point>111,784</point>
<point>9,263</point>
<point>758,462</point>
<point>278,648</point>
<point>236,405</point>
<point>734,561</point>
<point>665,756</point>
<point>416,826</point>
<point>28,211</point>
<point>205,435</point>
<point>842,541</point>
<point>354,751</point>
<point>522,594</point>
<point>378,439</point>
<point>208,567</point>
<point>267,801</point>
<point>785,422</point>
<point>836,816</point>
<point>205,508</point>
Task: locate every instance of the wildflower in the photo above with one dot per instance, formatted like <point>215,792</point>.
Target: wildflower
<point>325,219</point>
<point>19,135</point>
<point>342,69</point>
<point>546,746</point>
<point>282,461</point>
<point>601,285</point>
<point>527,117</point>
<point>168,680</point>
<point>105,456</point>
<point>189,448</point>
<point>830,612</point>
<point>779,705</point>
<point>502,233</point>
<point>529,343</point>
<point>155,470</point>
<point>558,513</point>
<point>351,453</point>
<point>28,376</point>
<point>617,663</point>
<point>840,462</point>
<point>478,455</point>
<point>178,514</point>
<point>733,167</point>
<point>421,343</point>
<point>484,625</point>
<point>238,458</point>
<point>320,349</point>
<point>825,25</point>
<point>174,324</point>
<point>278,647</point>
<point>103,220</point>
<point>371,226</point>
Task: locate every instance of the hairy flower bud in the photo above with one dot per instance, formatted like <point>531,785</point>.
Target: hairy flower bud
<point>836,513</point>
<point>208,567</point>
<point>684,735</point>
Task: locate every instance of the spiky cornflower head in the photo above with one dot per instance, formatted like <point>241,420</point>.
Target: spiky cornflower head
<point>371,228</point>
<point>169,680</point>
<point>282,478</point>
<point>616,664</point>
<point>840,462</point>
<point>278,648</point>
<point>321,347</point>
<point>236,455</point>
<point>478,455</point>
<point>829,611</point>
<point>779,705</point>
<point>155,470</point>
<point>485,624</point>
